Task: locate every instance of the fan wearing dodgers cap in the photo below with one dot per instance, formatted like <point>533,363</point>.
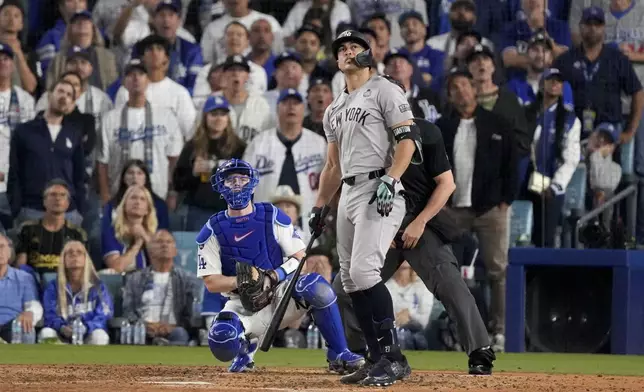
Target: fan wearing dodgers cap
<point>526,86</point>
<point>429,62</point>
<point>154,52</point>
<point>498,99</point>
<point>139,129</point>
<point>554,155</point>
<point>250,112</point>
<point>289,74</point>
<point>319,97</point>
<point>288,154</point>
<point>16,107</point>
<point>91,100</point>
<point>82,32</point>
<point>50,42</point>
<point>215,142</point>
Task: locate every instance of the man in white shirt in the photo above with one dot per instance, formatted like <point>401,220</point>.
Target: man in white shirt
<point>250,112</point>
<point>139,129</point>
<point>163,91</point>
<point>91,100</point>
<point>16,107</point>
<point>288,74</point>
<point>133,24</point>
<point>212,43</point>
<point>289,154</point>
<point>236,38</point>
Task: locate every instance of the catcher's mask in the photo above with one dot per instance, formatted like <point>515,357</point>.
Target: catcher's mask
<point>234,189</point>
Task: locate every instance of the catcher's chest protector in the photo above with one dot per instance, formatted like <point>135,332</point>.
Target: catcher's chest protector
<point>249,239</point>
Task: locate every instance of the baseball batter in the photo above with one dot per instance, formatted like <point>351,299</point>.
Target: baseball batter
<point>248,253</point>
<point>371,142</point>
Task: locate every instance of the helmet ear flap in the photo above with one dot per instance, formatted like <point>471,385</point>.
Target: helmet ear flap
<point>364,59</point>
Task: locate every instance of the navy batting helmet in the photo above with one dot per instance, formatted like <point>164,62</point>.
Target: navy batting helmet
<point>363,59</point>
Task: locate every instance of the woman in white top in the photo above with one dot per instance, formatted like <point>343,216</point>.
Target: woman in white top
<point>412,305</point>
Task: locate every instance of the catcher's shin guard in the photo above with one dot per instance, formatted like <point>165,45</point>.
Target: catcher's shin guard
<point>319,294</point>
<point>225,336</point>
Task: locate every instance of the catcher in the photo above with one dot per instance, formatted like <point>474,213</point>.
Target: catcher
<point>247,253</point>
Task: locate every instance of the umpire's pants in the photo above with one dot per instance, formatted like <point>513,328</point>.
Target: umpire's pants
<point>435,264</point>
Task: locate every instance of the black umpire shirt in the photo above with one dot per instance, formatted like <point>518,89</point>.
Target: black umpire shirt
<point>419,183</point>
<point>418,180</point>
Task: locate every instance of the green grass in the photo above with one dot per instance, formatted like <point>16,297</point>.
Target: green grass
<point>428,360</point>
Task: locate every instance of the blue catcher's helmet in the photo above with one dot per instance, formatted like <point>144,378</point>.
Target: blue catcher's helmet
<point>236,198</point>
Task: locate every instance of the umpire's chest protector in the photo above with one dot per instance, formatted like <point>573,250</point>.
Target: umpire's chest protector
<point>247,239</point>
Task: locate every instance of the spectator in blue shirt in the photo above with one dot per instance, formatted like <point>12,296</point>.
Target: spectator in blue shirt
<point>132,229</point>
<point>599,75</point>
<point>533,19</point>
<point>49,44</point>
<point>555,154</point>
<point>18,295</point>
<point>185,56</point>
<point>557,9</point>
<point>429,62</point>
<point>76,293</point>
<point>526,86</point>
<point>52,139</point>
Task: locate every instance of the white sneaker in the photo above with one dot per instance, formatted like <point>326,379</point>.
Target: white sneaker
<point>498,343</point>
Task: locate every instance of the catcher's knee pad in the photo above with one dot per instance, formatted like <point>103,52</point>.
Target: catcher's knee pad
<point>225,335</point>
<point>315,290</point>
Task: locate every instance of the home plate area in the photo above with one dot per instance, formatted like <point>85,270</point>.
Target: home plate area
<point>151,378</point>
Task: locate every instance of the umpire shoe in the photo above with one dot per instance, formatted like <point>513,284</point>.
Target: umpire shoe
<point>345,362</point>
<point>387,371</point>
<point>480,362</point>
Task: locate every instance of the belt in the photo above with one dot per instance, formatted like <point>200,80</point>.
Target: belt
<point>361,177</point>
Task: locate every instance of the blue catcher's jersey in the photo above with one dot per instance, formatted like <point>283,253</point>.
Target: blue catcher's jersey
<point>263,238</point>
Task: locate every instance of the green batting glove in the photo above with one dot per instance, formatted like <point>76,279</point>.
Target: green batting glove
<point>384,195</point>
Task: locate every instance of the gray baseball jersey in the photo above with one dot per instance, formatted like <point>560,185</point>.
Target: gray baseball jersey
<point>359,122</point>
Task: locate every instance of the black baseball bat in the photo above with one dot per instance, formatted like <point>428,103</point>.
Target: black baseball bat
<point>276,320</point>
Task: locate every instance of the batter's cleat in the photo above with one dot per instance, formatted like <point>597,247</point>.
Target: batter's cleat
<point>346,362</point>
<point>243,362</point>
<point>359,375</point>
<point>480,362</point>
<point>386,372</point>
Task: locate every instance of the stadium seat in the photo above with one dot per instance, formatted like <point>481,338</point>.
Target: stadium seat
<point>521,223</point>
<point>187,250</point>
<point>114,284</point>
<point>576,191</point>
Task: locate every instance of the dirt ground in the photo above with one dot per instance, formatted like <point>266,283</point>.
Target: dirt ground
<point>145,378</point>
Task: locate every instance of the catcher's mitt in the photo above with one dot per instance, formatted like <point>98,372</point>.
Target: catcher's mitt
<point>256,287</point>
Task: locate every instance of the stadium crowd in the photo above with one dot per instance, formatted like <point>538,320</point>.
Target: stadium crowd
<point>115,113</point>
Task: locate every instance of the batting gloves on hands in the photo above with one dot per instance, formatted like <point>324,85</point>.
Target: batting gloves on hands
<point>384,195</point>
<point>316,222</point>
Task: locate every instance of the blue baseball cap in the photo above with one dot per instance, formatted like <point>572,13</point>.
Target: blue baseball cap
<point>289,93</point>
<point>6,49</point>
<point>609,130</point>
<point>593,14</point>
<point>215,102</point>
<point>287,56</point>
<point>135,64</point>
<point>410,14</point>
<point>397,53</point>
<point>174,5</point>
<point>551,73</point>
<point>81,15</point>
<point>319,80</point>
<point>77,51</point>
